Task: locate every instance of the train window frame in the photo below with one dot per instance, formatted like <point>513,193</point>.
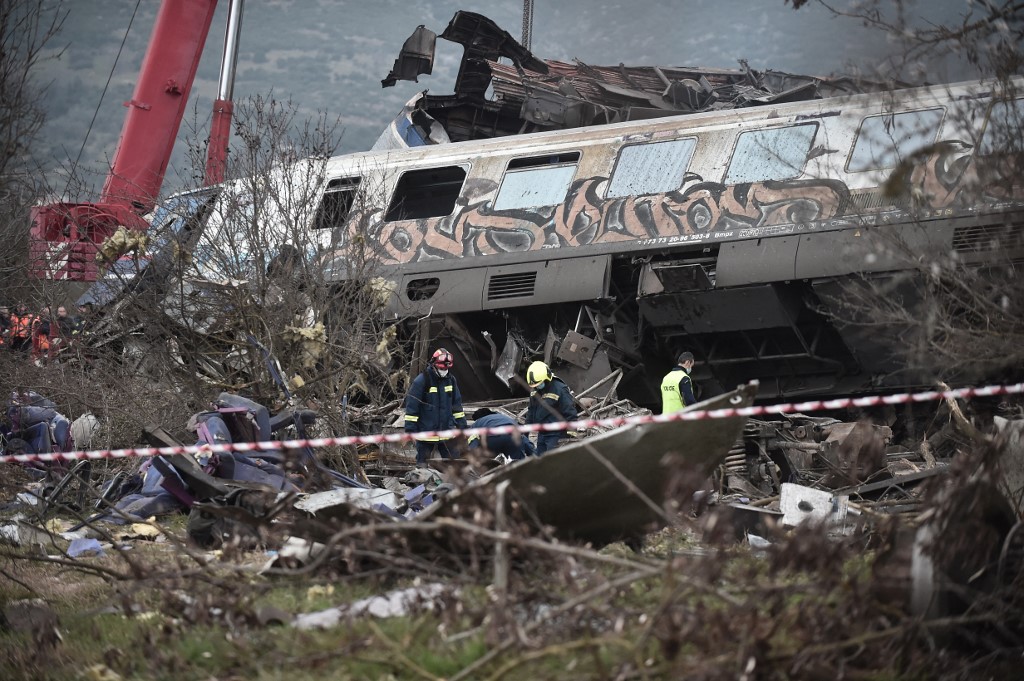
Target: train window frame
<point>434,199</point>
<point>752,177</point>
<point>340,192</point>
<point>636,188</point>
<point>879,161</point>
<point>985,145</point>
<point>552,165</point>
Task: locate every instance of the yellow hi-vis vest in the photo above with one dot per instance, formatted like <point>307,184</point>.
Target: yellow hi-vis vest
<point>671,400</point>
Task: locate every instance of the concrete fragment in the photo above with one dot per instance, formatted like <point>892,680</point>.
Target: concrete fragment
<point>801,505</point>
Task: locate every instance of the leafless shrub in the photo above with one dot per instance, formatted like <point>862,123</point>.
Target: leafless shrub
<point>954,304</point>
<point>987,35</point>
<point>27,29</point>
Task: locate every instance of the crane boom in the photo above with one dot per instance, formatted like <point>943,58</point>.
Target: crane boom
<point>158,104</point>
<point>65,236</point>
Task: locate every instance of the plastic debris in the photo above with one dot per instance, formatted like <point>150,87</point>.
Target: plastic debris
<point>393,604</point>
<point>83,548</point>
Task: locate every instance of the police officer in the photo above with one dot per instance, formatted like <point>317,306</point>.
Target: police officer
<point>513,445</point>
<point>677,387</point>
<point>434,403</point>
<point>550,402</point>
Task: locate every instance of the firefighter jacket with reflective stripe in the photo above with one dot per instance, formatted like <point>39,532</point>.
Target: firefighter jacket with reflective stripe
<point>551,403</point>
<point>434,403</point>
<point>676,391</point>
<point>514,446</point>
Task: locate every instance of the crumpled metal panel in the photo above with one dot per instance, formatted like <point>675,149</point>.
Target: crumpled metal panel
<point>411,128</point>
<point>532,94</point>
<point>582,499</point>
<point>416,57</point>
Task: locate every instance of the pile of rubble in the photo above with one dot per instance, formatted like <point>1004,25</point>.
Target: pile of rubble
<point>603,485</point>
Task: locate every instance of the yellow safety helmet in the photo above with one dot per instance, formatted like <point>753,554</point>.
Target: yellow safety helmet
<point>537,374</point>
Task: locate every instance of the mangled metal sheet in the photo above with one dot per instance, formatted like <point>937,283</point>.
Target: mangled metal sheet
<point>612,486</point>
<point>531,94</point>
<point>415,59</point>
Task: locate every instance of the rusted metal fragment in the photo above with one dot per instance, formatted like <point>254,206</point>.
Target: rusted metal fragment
<point>611,486</point>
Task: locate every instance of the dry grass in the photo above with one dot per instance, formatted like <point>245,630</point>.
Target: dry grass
<point>809,607</point>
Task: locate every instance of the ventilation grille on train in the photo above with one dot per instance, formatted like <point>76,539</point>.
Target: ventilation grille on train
<point>518,285</point>
<point>984,238</point>
<point>868,202</point>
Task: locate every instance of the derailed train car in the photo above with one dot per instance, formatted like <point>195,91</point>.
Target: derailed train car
<point>737,234</point>
<point>534,220</point>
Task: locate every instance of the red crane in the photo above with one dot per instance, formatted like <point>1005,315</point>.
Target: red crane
<point>65,237</point>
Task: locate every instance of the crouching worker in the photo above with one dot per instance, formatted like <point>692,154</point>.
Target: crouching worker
<point>434,403</point>
<point>550,402</point>
<point>513,445</point>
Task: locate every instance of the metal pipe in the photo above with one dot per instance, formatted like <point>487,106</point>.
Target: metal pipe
<point>229,58</point>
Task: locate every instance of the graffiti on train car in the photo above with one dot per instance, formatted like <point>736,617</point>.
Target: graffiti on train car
<point>700,210</point>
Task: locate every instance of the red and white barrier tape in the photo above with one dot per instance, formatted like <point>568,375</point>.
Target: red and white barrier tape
<point>275,445</point>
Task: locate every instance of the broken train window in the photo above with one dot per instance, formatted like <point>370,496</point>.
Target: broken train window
<point>885,140</point>
<point>428,193</point>
<point>773,154</point>
<point>653,168</point>
<point>336,203</point>
<point>537,181</point>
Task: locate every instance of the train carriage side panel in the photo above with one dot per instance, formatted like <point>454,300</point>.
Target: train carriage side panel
<point>716,231</point>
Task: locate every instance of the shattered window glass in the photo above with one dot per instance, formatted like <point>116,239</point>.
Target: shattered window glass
<point>654,168</point>
<point>883,141</point>
<point>544,182</point>
<point>775,154</point>
<point>1002,134</point>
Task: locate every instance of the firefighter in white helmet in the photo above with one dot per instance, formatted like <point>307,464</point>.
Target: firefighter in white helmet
<point>434,403</point>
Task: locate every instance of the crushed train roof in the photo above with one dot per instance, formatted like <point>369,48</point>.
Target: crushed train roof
<point>493,98</point>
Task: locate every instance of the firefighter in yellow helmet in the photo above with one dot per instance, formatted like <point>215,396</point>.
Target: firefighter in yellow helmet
<point>550,402</point>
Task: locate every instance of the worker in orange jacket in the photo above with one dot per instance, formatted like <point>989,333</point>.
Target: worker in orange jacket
<point>41,335</point>
<point>21,328</point>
